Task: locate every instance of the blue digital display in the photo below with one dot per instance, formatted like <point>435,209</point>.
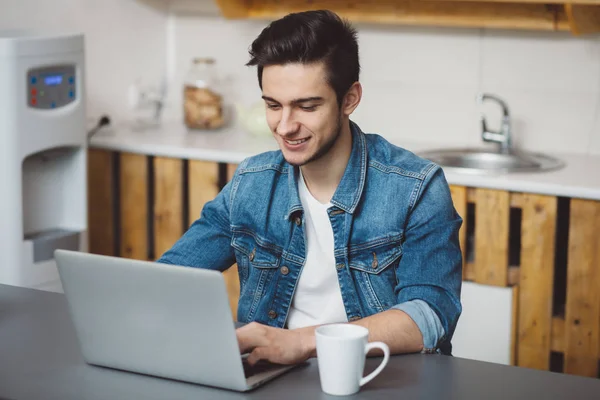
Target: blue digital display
<point>52,80</point>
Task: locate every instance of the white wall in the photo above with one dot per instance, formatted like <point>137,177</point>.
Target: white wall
<point>124,39</point>
<point>420,83</point>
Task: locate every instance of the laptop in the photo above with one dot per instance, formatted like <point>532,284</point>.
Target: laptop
<point>162,320</point>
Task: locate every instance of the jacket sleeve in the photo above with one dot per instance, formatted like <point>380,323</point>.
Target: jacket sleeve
<point>430,268</point>
<point>207,243</point>
<point>427,321</point>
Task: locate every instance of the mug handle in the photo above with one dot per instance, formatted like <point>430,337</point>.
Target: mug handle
<point>386,357</point>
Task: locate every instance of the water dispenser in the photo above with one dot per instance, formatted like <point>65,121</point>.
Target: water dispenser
<point>43,148</point>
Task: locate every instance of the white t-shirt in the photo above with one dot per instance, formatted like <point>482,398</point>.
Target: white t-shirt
<point>318,298</point>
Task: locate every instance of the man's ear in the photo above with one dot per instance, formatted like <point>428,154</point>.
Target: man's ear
<point>352,98</point>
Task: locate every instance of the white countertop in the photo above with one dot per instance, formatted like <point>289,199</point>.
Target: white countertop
<point>579,178</point>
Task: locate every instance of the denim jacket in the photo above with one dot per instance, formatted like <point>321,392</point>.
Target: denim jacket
<point>395,236</point>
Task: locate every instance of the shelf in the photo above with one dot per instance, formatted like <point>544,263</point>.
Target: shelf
<point>581,17</point>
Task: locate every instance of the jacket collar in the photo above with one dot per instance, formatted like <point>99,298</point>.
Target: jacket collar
<point>349,190</point>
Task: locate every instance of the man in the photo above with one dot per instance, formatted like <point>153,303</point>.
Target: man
<point>337,226</point>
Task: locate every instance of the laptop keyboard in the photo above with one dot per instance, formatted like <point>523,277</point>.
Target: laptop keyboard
<point>261,366</point>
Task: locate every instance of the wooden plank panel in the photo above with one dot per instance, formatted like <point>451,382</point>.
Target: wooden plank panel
<point>536,283</point>
<point>583,19</point>
<point>514,275</point>
<point>491,237</point>
<point>469,272</point>
<point>471,195</point>
<point>101,224</point>
<point>558,335</point>
<point>133,193</point>
<point>582,319</point>
<point>232,281</point>
<point>231,170</point>
<point>168,203</point>
<point>203,186</point>
<point>516,200</point>
<point>459,198</point>
<point>417,12</point>
<point>231,275</point>
<point>514,334</point>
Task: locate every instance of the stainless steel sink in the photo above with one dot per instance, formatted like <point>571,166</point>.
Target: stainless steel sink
<point>504,160</point>
<point>479,161</point>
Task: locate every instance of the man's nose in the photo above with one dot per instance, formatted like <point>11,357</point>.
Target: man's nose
<point>287,124</point>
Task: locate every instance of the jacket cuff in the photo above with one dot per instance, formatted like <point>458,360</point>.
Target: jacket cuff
<point>427,320</point>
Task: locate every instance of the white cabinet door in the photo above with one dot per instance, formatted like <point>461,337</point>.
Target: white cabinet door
<point>485,327</point>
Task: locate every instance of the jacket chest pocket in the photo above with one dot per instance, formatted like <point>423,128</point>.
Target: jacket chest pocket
<point>373,267</point>
<point>255,258</point>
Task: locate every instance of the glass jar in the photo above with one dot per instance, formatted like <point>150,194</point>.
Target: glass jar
<point>203,100</point>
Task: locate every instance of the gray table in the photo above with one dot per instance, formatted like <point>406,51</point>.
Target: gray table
<point>40,359</point>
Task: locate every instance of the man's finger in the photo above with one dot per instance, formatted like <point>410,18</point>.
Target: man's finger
<point>259,353</point>
<point>251,336</point>
<point>243,341</point>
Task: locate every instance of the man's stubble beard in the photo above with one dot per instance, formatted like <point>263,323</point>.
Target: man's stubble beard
<point>325,148</point>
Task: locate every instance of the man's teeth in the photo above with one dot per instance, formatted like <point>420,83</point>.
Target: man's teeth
<point>296,141</point>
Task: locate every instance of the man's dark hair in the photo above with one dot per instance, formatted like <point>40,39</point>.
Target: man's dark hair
<point>309,37</point>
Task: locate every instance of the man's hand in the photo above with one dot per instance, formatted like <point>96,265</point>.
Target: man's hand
<point>276,345</point>
<point>282,346</point>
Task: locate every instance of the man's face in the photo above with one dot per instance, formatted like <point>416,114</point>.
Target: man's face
<point>302,110</point>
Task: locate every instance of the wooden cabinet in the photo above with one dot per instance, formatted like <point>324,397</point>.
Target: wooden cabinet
<point>546,248</point>
<point>576,16</point>
<point>138,206</point>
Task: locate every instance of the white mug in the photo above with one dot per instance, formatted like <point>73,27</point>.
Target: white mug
<point>341,353</point>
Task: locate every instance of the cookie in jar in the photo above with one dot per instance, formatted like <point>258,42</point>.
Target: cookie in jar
<point>203,104</point>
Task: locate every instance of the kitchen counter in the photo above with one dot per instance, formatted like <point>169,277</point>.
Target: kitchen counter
<point>232,145</point>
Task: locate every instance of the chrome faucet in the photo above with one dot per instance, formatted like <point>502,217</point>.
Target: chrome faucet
<point>503,137</point>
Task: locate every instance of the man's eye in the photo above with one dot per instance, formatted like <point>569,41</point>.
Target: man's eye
<point>272,106</point>
<point>308,108</point>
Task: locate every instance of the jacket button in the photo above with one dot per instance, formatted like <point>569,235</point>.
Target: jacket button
<point>272,314</point>
<point>375,263</point>
<point>340,266</point>
<point>252,255</point>
<point>298,221</point>
<point>285,270</point>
